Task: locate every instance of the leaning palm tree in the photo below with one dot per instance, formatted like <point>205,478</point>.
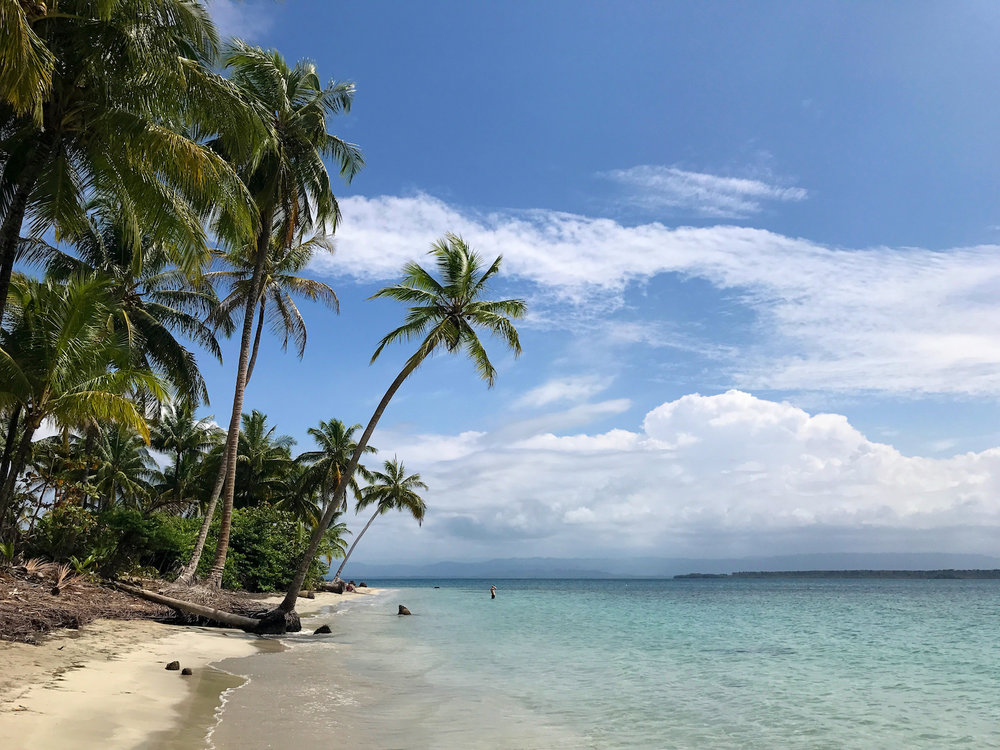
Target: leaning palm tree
<point>59,362</point>
<point>119,103</point>
<point>388,491</point>
<point>445,314</point>
<point>290,186</point>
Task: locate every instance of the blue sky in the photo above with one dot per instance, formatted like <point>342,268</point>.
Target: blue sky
<point>758,242</point>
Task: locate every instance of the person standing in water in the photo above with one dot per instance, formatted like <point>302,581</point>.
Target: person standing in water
<point>493,592</point>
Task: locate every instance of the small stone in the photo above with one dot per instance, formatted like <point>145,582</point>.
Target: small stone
<point>322,629</point>
<point>403,610</point>
<point>174,666</point>
<point>187,671</point>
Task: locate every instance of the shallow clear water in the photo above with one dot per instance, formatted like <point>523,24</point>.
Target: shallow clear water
<point>643,664</point>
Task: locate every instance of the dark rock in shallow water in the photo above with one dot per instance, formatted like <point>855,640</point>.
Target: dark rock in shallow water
<point>403,610</point>
<point>187,671</point>
<point>174,665</point>
<point>362,585</point>
<point>322,629</point>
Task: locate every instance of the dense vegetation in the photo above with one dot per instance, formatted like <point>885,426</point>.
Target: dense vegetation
<point>130,134</point>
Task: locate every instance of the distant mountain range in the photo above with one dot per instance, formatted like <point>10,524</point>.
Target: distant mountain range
<point>666,567</point>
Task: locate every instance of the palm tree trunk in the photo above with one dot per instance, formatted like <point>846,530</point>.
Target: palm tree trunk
<point>10,230</point>
<point>256,342</point>
<point>355,544</point>
<point>232,438</point>
<point>292,594</point>
<point>8,447</point>
<point>17,465</point>
<point>188,575</point>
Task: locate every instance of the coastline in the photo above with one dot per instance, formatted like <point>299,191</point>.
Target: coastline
<point>105,685</point>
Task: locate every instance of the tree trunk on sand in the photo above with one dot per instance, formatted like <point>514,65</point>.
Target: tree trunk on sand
<point>232,438</point>
<point>355,544</point>
<point>288,604</point>
<point>267,624</point>
<point>187,575</point>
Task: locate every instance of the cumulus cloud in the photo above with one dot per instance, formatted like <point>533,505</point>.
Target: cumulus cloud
<point>656,187</point>
<point>880,319</point>
<point>701,471</point>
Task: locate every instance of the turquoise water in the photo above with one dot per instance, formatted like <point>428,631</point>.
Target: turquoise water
<point>711,664</point>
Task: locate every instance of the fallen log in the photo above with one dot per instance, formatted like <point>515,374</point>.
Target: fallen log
<point>248,624</point>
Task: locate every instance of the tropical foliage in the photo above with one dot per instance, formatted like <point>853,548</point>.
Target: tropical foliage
<point>130,135</point>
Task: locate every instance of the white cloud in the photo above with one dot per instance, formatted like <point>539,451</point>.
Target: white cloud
<point>881,319</point>
<point>702,471</point>
<point>656,187</point>
<point>573,389</point>
<point>245,19</point>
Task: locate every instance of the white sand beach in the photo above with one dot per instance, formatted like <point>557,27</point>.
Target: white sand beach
<point>106,684</point>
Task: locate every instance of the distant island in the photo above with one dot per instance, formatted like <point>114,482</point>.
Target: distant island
<point>919,574</point>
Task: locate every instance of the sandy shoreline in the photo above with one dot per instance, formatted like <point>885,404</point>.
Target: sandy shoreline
<point>106,685</point>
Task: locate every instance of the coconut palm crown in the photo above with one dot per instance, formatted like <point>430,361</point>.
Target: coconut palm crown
<point>447,312</point>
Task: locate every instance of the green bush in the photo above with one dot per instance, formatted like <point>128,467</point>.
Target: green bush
<point>265,546</point>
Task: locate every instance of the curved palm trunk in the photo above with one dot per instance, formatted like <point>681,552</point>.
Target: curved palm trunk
<point>355,544</point>
<point>232,439</point>
<point>8,448</point>
<point>187,575</point>
<point>10,230</point>
<point>16,467</point>
<point>292,594</point>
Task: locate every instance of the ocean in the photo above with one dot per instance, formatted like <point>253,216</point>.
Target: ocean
<point>715,664</point>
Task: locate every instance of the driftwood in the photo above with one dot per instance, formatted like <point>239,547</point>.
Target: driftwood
<point>270,622</point>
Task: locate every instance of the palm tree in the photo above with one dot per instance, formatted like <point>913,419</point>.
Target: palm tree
<point>124,468</point>
<point>154,297</point>
<point>25,62</point>
<point>187,440</point>
<point>110,118</point>
<point>291,190</point>
<point>446,314</point>
<point>326,466</point>
<point>263,463</point>
<point>389,490</point>
<point>59,362</point>
<point>279,286</point>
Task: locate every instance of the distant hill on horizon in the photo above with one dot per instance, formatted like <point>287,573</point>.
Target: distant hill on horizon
<point>667,567</point>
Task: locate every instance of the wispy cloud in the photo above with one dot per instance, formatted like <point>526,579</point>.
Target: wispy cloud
<point>572,389</point>
<point>652,187</point>
<point>246,19</point>
<point>901,320</point>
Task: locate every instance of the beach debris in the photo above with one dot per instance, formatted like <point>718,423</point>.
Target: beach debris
<point>187,671</point>
<point>307,595</point>
<point>174,666</point>
<point>322,630</point>
<point>403,610</point>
